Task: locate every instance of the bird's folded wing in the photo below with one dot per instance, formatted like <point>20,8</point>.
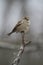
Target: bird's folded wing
<point>18,24</point>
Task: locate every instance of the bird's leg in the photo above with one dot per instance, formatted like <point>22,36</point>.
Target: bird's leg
<point>24,43</point>
<point>23,34</point>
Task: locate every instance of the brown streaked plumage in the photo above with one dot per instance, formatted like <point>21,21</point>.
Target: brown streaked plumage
<point>22,26</point>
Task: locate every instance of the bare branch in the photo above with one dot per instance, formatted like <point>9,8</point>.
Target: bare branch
<point>19,55</point>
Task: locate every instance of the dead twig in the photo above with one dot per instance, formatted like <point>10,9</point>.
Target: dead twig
<point>19,55</point>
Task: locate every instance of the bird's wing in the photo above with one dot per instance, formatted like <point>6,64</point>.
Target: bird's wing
<point>18,24</point>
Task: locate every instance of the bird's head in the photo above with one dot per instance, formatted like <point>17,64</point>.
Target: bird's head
<point>26,18</point>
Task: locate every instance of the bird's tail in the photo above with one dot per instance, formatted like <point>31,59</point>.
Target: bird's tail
<point>9,33</point>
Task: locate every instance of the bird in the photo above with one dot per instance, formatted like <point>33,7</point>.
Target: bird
<point>22,27</point>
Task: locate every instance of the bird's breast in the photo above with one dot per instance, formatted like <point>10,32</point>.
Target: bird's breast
<point>23,27</point>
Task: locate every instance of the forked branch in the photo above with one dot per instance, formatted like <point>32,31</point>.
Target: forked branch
<point>19,55</point>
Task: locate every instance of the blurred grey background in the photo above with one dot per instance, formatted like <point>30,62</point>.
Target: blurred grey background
<point>11,11</point>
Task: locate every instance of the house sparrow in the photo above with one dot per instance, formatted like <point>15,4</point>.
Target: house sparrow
<point>22,27</point>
